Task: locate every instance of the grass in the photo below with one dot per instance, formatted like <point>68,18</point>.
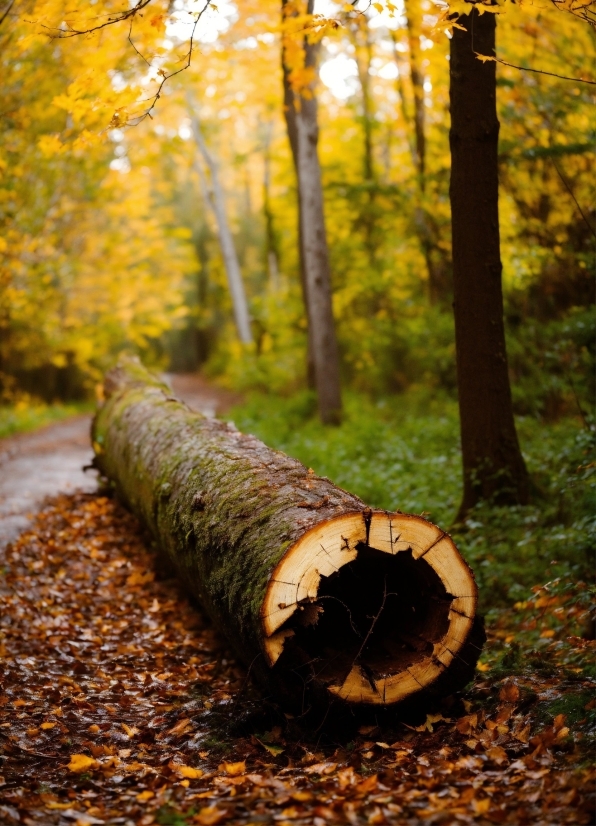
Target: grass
<point>22,418</point>
<point>403,453</point>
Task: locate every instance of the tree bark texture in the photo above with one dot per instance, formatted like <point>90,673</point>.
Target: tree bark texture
<point>493,465</point>
<point>215,199</point>
<point>303,133</point>
<point>327,601</point>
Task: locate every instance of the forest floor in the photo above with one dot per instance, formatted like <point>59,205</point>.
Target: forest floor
<point>119,703</point>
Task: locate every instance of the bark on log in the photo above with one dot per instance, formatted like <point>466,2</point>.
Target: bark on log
<point>325,599</point>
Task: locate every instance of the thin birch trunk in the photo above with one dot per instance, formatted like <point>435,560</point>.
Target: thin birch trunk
<point>215,199</point>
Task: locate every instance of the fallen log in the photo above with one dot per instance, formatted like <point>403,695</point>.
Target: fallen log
<point>324,598</point>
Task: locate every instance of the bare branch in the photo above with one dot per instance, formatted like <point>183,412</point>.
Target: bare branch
<point>494,59</point>
<point>570,191</point>
<point>142,56</point>
<point>167,77</point>
<point>118,18</point>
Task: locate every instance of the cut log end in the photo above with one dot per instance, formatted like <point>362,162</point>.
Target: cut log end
<point>373,607</point>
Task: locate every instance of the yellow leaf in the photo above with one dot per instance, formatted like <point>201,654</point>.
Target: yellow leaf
<point>481,807</point>
<point>211,815</point>
<point>129,730</point>
<point>46,726</point>
<point>146,795</point>
<point>186,771</point>
<point>81,763</point>
<point>233,769</point>
<point>53,805</point>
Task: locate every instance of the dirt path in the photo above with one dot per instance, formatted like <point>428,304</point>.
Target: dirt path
<point>49,461</point>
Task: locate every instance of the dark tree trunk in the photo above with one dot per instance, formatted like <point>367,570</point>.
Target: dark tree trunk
<point>326,600</point>
<point>493,465</point>
<point>303,133</point>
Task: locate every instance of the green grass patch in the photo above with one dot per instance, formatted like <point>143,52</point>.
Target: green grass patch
<point>21,418</point>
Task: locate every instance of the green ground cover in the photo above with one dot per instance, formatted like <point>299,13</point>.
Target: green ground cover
<point>23,418</point>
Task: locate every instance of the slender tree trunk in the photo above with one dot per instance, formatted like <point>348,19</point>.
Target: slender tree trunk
<point>363,54</point>
<point>292,130</point>
<point>271,239</point>
<point>215,199</point>
<point>437,264</point>
<point>414,20</point>
<point>326,600</point>
<point>493,466</point>
<point>303,133</point>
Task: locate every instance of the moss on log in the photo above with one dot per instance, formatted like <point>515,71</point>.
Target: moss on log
<point>324,598</point>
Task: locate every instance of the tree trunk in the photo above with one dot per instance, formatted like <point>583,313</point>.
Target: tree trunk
<point>271,239</point>
<point>363,54</point>
<point>414,21</point>
<point>303,133</point>
<point>215,199</point>
<point>326,600</point>
<point>437,263</point>
<point>492,462</point>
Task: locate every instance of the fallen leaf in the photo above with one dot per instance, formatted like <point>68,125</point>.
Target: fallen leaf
<point>481,807</point>
<point>321,768</point>
<point>146,795</point>
<point>233,769</point>
<point>497,755</point>
<point>81,763</point>
<point>509,693</point>
<point>181,726</point>
<point>47,726</point>
<point>367,785</point>
<point>210,815</point>
<point>185,771</point>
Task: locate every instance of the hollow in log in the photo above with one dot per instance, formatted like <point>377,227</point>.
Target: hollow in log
<point>324,598</point>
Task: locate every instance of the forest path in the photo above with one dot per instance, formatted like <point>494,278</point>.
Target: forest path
<point>50,461</point>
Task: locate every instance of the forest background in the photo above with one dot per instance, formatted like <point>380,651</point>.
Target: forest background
<point>109,243</point>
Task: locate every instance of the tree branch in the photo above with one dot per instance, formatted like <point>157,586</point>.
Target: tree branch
<point>484,58</point>
<point>570,191</point>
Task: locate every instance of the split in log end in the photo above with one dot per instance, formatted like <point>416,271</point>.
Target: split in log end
<point>372,606</point>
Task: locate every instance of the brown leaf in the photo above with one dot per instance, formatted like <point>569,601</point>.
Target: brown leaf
<point>497,755</point>
<point>509,692</point>
<point>368,784</point>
